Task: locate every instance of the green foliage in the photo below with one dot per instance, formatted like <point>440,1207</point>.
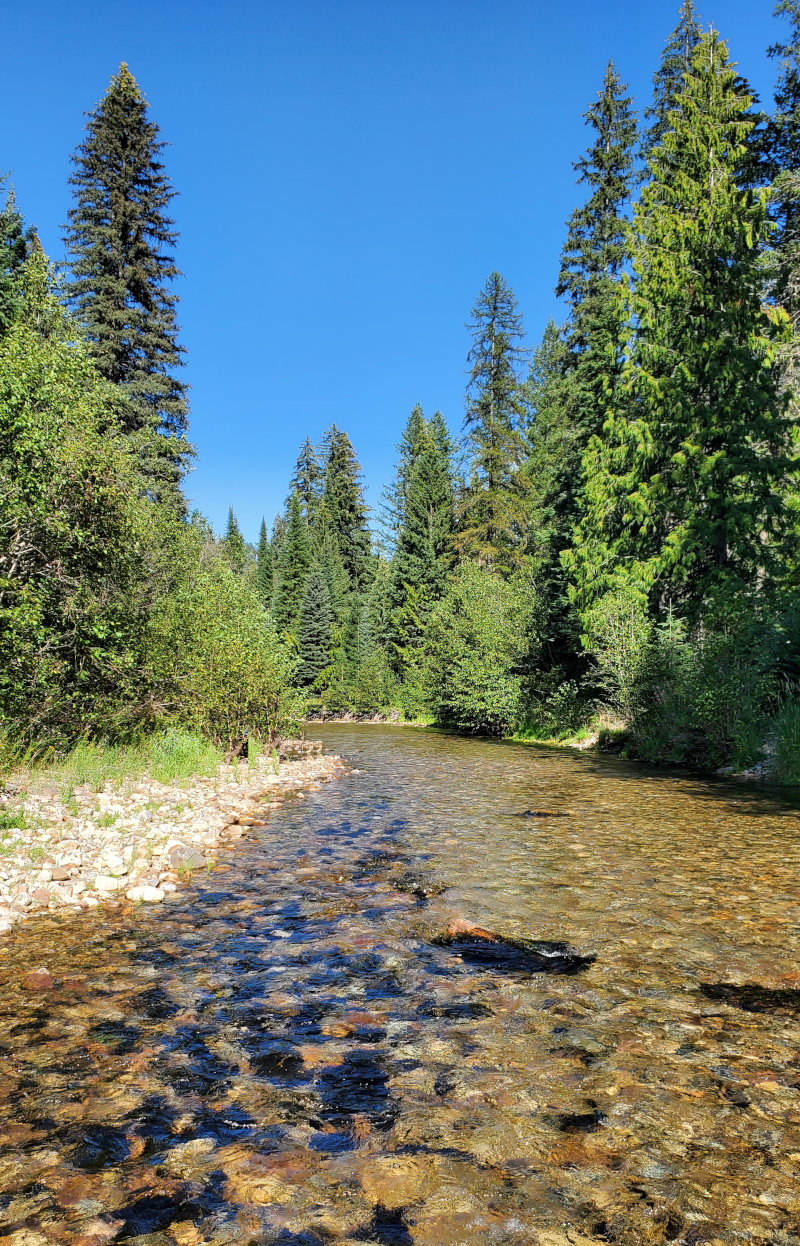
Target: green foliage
<point>423,552</point>
<point>668,80</point>
<point>294,564</point>
<point>786,733</point>
<point>684,490</point>
<point>15,245</point>
<point>346,508</point>
<point>478,639</point>
<point>307,480</point>
<point>491,527</point>
<point>233,544</point>
<point>217,658</point>
<point>171,755</point>
<point>314,634</point>
<point>121,245</point>
<point>594,256</point>
<point>265,571</point>
<point>78,542</point>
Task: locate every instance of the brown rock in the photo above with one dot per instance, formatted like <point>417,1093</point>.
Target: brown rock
<point>60,874</point>
<point>41,897</point>
<point>38,980</point>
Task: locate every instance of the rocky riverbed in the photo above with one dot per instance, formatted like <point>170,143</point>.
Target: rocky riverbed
<point>137,841</point>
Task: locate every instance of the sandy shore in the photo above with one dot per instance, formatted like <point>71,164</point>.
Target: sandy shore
<point>137,841</point>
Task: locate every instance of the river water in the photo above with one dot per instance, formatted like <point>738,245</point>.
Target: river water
<point>281,1053</point>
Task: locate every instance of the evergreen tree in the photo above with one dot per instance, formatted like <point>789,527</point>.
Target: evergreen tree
<point>393,501</point>
<point>121,243</point>
<point>314,635</point>
<point>424,552</point>
<point>264,567</point>
<point>307,480</point>
<point>15,246</point>
<point>554,441</point>
<point>668,79</point>
<point>492,518</point>
<point>594,256</point>
<point>780,146</point>
<point>684,491</point>
<point>279,526</point>
<point>294,564</point>
<point>233,541</point>
<point>347,510</point>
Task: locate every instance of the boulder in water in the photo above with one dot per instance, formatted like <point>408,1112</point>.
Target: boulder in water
<point>488,950</point>
<point>752,998</point>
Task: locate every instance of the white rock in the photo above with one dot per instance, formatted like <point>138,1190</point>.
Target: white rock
<point>103,882</point>
<point>148,895</point>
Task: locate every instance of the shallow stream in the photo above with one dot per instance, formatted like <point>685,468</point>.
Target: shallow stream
<point>280,1053</point>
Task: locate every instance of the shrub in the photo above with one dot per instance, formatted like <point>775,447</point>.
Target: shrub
<point>478,642</point>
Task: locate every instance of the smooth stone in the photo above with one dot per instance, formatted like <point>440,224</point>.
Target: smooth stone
<point>103,882</point>
<point>148,895</point>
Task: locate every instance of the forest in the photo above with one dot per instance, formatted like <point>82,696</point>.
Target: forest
<point>603,548</point>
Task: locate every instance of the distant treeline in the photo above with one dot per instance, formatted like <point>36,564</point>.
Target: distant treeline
<point>612,542</point>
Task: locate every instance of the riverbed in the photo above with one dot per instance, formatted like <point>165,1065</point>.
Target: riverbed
<point>283,1053</point>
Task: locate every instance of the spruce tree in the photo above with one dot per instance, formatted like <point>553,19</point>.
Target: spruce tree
<point>264,567</point>
<point>780,145</point>
<point>684,490</point>
<point>492,516</point>
<point>668,79</point>
<point>314,634</point>
<point>294,565</point>
<point>393,501</point>
<point>234,544</point>
<point>307,480</point>
<point>15,246</point>
<point>121,245</point>
<point>424,552</point>
<point>346,508</point>
<point>554,441</point>
<point>594,256</point>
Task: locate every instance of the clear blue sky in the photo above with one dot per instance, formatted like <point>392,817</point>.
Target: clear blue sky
<point>350,171</point>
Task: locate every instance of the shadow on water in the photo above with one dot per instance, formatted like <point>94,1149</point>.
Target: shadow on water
<point>296,1051</point>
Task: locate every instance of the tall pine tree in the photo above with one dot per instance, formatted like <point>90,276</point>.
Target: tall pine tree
<point>594,257</point>
<point>668,79</point>
<point>264,567</point>
<point>780,144</point>
<point>314,634</point>
<point>424,550</point>
<point>491,528</point>
<point>121,245</point>
<point>294,564</point>
<point>234,544</point>
<point>346,508</point>
<point>307,480</point>
<point>684,490</point>
<point>15,245</point>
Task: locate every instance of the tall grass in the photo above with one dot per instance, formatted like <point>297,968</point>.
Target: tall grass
<point>787,743</point>
<point>169,756</point>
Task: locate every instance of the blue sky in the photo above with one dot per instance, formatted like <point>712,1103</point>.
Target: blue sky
<point>350,171</point>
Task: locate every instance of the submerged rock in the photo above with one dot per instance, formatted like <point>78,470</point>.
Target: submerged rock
<point>753,998</point>
<point>488,950</point>
<point>38,980</point>
<point>541,813</point>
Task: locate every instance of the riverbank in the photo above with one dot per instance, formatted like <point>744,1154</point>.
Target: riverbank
<point>134,840</point>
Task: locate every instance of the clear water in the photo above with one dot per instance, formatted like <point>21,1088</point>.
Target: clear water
<point>280,1053</point>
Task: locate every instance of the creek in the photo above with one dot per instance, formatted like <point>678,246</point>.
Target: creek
<point>283,1053</point>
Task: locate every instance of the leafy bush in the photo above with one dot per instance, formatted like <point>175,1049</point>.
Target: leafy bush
<point>217,659</point>
<point>77,536</point>
<point>478,643</point>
